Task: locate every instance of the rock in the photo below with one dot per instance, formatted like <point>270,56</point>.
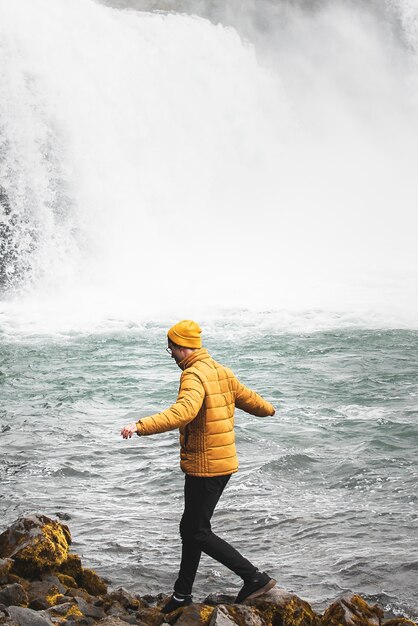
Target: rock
<point>151,617</point>
<point>126,599</point>
<point>72,567</point>
<point>111,621</point>
<point>89,610</point>
<point>13,578</point>
<point>67,581</point>
<point>35,543</point>
<point>129,619</point>
<point>221,617</point>
<point>192,615</point>
<point>5,567</point>
<point>63,610</point>
<point>243,615</point>
<point>14,594</point>
<point>352,611</point>
<point>280,606</point>
<point>92,582</point>
<point>27,617</point>
<point>80,593</point>
<point>44,593</point>
<point>115,609</point>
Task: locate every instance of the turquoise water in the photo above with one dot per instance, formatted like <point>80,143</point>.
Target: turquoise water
<point>326,495</point>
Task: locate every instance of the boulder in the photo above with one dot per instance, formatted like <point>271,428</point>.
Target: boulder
<point>67,581</point>
<point>221,617</point>
<point>150,617</point>
<point>35,543</point>
<point>280,606</point>
<point>352,611</point>
<point>44,593</point>
<point>28,617</point>
<point>5,567</point>
<point>125,599</point>
<point>236,614</point>
<point>13,594</point>
<point>72,567</point>
<point>111,621</point>
<point>89,609</point>
<point>194,614</point>
<point>92,582</point>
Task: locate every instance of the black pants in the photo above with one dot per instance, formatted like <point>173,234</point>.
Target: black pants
<point>201,496</point>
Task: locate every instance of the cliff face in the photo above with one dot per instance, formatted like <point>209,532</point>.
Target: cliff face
<point>43,584</point>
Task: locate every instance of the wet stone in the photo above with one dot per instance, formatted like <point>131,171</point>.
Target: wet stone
<point>244,615</point>
<point>35,543</point>
<point>89,610</point>
<point>151,617</point>
<point>93,583</point>
<point>221,617</point>
<point>125,599</point>
<point>5,567</point>
<point>28,617</point>
<point>194,614</point>
<point>352,611</point>
<point>13,594</point>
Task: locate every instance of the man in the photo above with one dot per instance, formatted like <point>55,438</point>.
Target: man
<point>204,414</point>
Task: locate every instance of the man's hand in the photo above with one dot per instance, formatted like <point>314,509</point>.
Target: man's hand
<point>129,430</point>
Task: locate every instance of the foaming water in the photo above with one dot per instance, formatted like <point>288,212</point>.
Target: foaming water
<point>143,149</point>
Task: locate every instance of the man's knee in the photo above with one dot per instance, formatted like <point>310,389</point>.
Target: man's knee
<point>191,534</point>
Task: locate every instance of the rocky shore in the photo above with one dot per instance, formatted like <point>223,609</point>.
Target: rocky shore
<point>43,584</point>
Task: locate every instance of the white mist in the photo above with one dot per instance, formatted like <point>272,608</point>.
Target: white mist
<point>168,168</point>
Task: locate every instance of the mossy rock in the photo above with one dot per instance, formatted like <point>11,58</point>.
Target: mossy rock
<point>72,567</point>
<point>36,543</point>
<point>92,582</point>
<point>67,581</point>
<point>352,611</point>
<point>5,567</point>
<point>238,614</point>
<point>279,607</point>
<point>192,615</point>
<point>14,595</point>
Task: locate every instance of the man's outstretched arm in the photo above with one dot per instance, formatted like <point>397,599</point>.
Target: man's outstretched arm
<point>250,402</point>
<point>183,411</point>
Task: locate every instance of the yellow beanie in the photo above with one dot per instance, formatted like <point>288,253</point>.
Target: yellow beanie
<point>186,334</point>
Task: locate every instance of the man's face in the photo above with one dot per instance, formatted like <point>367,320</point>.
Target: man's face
<point>177,352</point>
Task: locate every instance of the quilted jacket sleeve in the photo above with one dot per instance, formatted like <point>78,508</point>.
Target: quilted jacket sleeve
<point>250,402</point>
<point>183,411</point>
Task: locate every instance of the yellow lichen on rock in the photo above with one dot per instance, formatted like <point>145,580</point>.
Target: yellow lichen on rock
<point>49,549</point>
<point>75,611</point>
<point>72,567</point>
<point>352,611</point>
<point>66,580</point>
<point>93,583</point>
<point>205,612</point>
<point>297,612</point>
<point>53,598</point>
<point>35,543</point>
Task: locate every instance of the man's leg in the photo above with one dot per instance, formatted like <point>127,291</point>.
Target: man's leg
<point>201,496</point>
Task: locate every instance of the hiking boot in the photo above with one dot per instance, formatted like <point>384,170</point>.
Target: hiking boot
<point>255,587</point>
<point>176,601</point>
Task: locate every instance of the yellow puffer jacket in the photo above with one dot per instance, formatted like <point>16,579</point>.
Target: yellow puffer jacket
<point>204,413</point>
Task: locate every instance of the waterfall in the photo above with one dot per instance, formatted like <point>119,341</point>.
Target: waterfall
<point>156,159</point>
